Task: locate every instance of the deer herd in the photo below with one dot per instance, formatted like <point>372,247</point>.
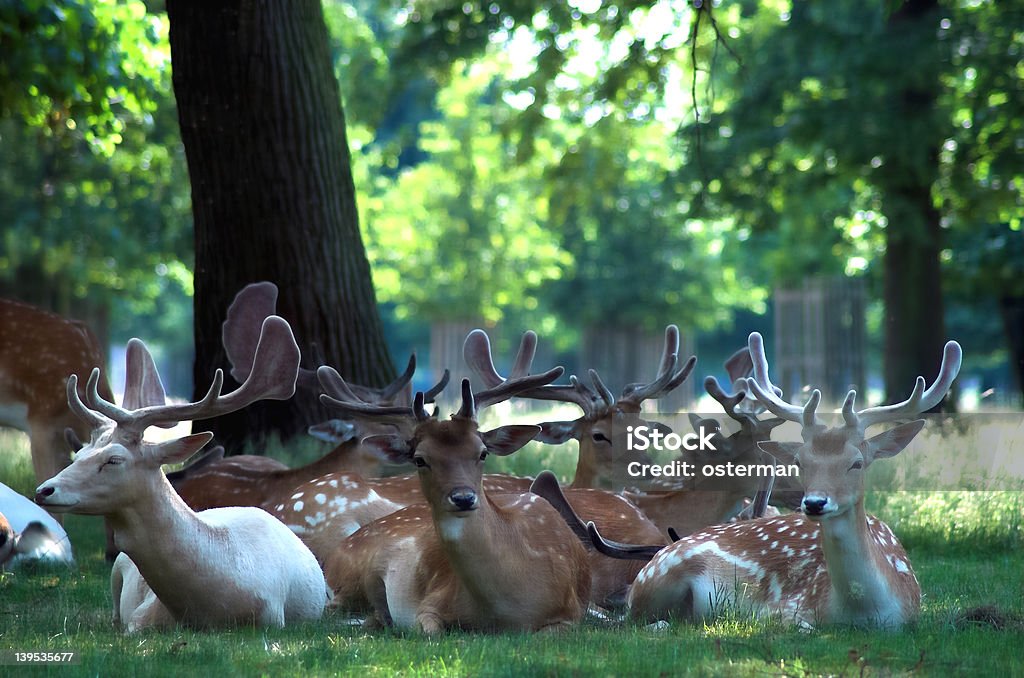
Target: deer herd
<point>246,540</point>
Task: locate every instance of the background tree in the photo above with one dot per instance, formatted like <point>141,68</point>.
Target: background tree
<point>95,207</point>
<point>272,192</point>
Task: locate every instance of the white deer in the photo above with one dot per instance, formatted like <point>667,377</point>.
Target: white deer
<point>220,567</point>
<point>834,563</point>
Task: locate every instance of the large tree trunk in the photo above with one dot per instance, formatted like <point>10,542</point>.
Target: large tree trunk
<point>914,322</point>
<point>1012,311</point>
<point>272,193</point>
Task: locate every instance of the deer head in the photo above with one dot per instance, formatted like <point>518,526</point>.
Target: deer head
<point>448,455</point>
<point>117,466</point>
<point>604,415</point>
<point>832,460</point>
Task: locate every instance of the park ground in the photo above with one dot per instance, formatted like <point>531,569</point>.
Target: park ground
<point>966,548</point>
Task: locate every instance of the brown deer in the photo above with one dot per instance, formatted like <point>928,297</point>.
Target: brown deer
<point>702,500</point>
<point>465,559</point>
<point>38,350</point>
<point>832,564</point>
<point>601,458</point>
<point>215,568</point>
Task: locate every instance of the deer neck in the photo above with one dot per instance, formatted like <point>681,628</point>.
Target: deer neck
<point>478,546</point>
<point>160,533</point>
<point>337,460</point>
<point>586,466</point>
<point>860,589</point>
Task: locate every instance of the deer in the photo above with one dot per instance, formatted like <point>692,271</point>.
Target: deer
<point>32,534</point>
<point>603,413</point>
<point>326,509</point>
<point>465,558</point>
<point>215,568</point>
<point>38,350</point>
<point>831,564</point>
<point>703,501</point>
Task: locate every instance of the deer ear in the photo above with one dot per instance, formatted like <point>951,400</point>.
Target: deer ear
<point>177,451</point>
<point>785,453</point>
<point>557,432</point>
<point>892,442</point>
<point>389,446</point>
<point>507,439</point>
<point>334,431</point>
<point>695,420</point>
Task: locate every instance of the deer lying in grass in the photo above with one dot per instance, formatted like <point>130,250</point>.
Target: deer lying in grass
<point>834,563</point>
<point>326,509</point>
<point>32,534</point>
<point>216,568</point>
<point>487,562</point>
<point>601,459</point>
<point>703,501</point>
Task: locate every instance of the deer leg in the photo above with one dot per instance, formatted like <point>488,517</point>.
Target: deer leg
<point>557,627</point>
<point>50,453</point>
<point>150,614</point>
<point>429,622</point>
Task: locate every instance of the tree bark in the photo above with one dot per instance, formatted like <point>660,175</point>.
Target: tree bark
<point>272,194</point>
<point>914,309</point>
<point>1012,311</point>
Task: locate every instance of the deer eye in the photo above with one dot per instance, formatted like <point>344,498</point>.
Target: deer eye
<point>483,455</point>
<point>113,460</point>
<point>857,465</point>
<point>420,462</point>
<point>601,438</point>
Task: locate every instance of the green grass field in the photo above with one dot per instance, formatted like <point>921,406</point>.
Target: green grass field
<point>966,548</point>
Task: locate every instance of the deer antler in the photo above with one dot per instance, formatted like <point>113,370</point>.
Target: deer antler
<point>245,316</point>
<point>761,386</point>
<point>668,377</point>
<point>477,352</point>
<point>272,377</point>
<point>341,396</point>
<point>920,400</point>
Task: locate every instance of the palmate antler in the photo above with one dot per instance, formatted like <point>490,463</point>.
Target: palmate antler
<point>271,377</point>
<point>920,399</point>
<point>240,331</point>
<point>339,395</point>
<point>477,352</point>
<point>498,389</point>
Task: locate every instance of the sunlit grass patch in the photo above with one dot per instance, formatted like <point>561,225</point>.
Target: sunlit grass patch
<point>16,462</point>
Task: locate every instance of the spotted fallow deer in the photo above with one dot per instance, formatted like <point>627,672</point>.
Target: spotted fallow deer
<point>215,568</point>
<point>601,458</point>
<point>710,500</point>
<point>464,559</point>
<point>38,350</point>
<point>328,508</point>
<point>832,564</point>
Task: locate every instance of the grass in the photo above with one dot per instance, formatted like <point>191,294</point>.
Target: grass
<point>966,548</point>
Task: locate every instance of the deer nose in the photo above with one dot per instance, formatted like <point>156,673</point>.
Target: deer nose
<point>43,492</point>
<point>463,499</point>
<point>814,506</point>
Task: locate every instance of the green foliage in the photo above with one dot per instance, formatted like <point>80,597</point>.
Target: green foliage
<point>81,65</point>
<point>463,235</point>
<point>96,199</point>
